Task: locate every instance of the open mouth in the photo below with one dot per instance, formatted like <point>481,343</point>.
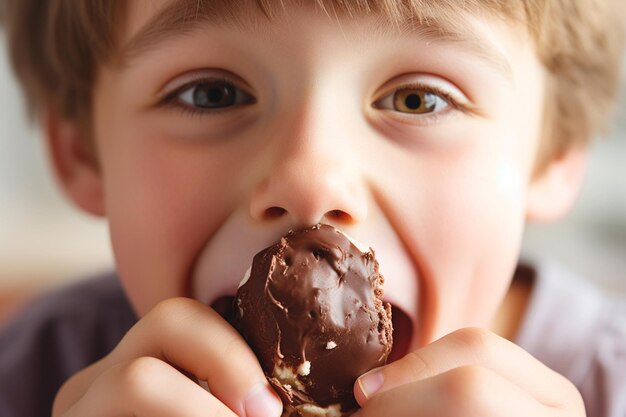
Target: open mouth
<point>224,307</point>
<point>402,334</point>
<point>402,326</point>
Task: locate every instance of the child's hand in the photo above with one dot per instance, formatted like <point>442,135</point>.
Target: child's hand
<point>471,372</point>
<point>145,375</point>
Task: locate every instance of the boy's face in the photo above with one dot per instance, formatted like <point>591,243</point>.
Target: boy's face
<point>217,139</point>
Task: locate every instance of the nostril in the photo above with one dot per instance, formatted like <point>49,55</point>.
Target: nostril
<point>274,212</point>
<point>339,216</point>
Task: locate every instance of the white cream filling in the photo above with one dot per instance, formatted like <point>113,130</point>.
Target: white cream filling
<point>310,410</point>
<point>287,376</point>
<point>304,369</point>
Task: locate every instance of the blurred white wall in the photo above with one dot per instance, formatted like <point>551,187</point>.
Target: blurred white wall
<point>44,241</point>
<point>592,239</point>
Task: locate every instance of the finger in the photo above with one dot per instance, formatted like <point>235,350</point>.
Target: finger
<point>471,346</point>
<point>147,387</point>
<point>460,392</point>
<point>192,337</point>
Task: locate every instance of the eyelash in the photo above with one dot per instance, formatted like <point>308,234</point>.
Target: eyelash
<point>446,96</point>
<point>172,100</point>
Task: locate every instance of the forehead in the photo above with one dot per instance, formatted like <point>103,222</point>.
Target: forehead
<point>397,11</point>
<point>150,22</point>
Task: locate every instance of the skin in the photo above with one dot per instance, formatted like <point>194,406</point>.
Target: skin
<point>442,197</point>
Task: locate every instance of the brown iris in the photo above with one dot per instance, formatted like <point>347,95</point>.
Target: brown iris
<point>414,101</point>
<point>212,95</point>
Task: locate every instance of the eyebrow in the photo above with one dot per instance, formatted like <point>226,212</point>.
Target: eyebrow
<point>467,40</point>
<point>181,17</point>
<point>176,19</point>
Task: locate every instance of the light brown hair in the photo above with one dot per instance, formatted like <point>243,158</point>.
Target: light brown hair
<point>57,46</point>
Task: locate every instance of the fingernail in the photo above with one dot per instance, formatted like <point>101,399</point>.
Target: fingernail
<point>261,402</point>
<point>371,382</point>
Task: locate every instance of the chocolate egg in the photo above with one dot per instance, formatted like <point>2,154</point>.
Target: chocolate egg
<point>311,309</point>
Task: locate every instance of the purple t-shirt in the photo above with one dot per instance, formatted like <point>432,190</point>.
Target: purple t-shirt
<point>570,325</point>
<point>579,330</point>
<point>54,338</point>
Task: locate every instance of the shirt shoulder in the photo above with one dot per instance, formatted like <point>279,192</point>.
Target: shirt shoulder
<point>579,330</point>
<point>57,335</point>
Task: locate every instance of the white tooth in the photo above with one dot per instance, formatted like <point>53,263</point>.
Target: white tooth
<point>246,277</point>
<point>331,345</point>
<point>359,245</point>
<point>239,305</point>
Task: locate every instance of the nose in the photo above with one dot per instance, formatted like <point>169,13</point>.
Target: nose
<point>312,178</point>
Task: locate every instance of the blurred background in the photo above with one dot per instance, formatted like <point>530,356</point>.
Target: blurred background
<point>45,242</point>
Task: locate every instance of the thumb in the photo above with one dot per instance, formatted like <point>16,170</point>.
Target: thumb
<point>466,347</point>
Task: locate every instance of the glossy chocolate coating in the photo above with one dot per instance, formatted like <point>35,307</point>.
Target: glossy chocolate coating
<point>311,310</point>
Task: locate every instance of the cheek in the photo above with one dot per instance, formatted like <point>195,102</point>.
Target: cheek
<point>164,202</point>
<point>467,228</point>
<point>474,250</point>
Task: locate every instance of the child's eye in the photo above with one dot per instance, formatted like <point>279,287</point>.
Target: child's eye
<point>414,100</point>
<point>206,95</point>
<point>213,95</point>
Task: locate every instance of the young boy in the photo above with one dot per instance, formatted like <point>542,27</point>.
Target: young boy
<point>428,130</point>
